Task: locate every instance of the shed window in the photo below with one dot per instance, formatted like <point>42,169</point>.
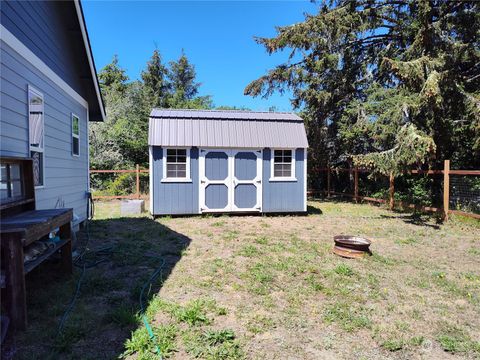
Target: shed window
<point>75,135</point>
<point>177,165</point>
<point>36,134</point>
<point>283,165</point>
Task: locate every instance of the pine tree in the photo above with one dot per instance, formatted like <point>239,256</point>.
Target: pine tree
<point>155,81</point>
<point>112,76</point>
<point>182,77</point>
<point>362,70</point>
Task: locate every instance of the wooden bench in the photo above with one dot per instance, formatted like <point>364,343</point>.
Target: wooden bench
<point>20,231</point>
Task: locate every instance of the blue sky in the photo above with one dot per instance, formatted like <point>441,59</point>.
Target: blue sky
<point>217,37</point>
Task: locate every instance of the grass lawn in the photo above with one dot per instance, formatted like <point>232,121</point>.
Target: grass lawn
<point>235,287</point>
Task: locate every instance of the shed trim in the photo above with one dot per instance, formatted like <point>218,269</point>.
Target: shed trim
<point>305,179</point>
<point>274,178</point>
<point>187,178</point>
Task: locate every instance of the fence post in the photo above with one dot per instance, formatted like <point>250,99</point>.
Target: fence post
<point>355,187</point>
<point>138,181</point>
<point>328,181</point>
<point>392,191</point>
<point>446,188</point>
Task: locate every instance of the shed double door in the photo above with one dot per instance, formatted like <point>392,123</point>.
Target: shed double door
<point>230,180</point>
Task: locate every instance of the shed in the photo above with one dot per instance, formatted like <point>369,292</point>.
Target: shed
<point>216,161</point>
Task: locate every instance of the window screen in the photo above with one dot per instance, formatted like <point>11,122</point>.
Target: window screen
<point>282,163</point>
<point>176,163</point>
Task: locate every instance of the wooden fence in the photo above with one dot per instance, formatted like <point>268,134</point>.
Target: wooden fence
<point>354,173</point>
<point>446,172</point>
<point>137,194</point>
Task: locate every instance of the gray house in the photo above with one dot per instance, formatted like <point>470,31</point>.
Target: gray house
<point>226,161</point>
<point>49,93</point>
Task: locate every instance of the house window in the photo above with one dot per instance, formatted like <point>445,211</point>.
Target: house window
<point>11,186</point>
<point>36,134</point>
<point>75,135</point>
<point>177,165</point>
<point>283,165</point>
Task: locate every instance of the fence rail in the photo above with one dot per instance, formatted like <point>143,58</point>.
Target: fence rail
<point>136,171</point>
<point>354,176</point>
<point>355,194</point>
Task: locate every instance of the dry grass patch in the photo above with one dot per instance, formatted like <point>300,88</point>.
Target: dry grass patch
<point>269,287</point>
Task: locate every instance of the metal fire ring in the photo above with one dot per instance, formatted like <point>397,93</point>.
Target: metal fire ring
<point>350,246</point>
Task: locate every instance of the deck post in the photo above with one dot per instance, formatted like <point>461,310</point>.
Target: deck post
<point>15,293</point>
<point>328,181</point>
<point>446,188</point>
<point>391,191</point>
<point>138,181</point>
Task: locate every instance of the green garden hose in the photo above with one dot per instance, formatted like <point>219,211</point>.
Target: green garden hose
<point>104,253</point>
<point>152,278</point>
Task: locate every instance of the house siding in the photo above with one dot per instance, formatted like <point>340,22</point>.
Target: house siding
<point>66,176</point>
<point>284,196</point>
<point>41,26</point>
<point>174,198</point>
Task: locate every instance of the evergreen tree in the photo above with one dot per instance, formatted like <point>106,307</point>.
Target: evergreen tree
<point>155,81</point>
<point>361,70</point>
<point>184,87</point>
<point>112,76</point>
<point>182,76</point>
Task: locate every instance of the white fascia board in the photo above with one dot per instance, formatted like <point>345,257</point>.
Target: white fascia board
<point>89,56</point>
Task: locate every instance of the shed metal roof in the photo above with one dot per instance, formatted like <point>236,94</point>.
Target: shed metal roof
<point>226,129</point>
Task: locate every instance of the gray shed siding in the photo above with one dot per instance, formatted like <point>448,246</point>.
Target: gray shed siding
<point>174,198</point>
<point>284,196</point>
<point>41,26</point>
<point>183,198</point>
<point>66,176</point>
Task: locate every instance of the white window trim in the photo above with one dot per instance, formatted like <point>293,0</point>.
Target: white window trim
<point>186,179</point>
<point>74,135</point>
<point>34,148</point>
<point>274,178</point>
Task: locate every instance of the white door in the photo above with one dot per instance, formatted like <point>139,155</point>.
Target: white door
<point>230,180</point>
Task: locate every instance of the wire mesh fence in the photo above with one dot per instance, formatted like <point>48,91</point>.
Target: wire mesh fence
<point>446,191</point>
<point>119,183</point>
<point>465,193</point>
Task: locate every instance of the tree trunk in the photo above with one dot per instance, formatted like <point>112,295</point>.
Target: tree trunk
<point>391,191</point>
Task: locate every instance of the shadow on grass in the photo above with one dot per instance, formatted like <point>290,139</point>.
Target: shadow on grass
<point>415,218</point>
<point>419,219</point>
<point>128,251</point>
<point>314,210</point>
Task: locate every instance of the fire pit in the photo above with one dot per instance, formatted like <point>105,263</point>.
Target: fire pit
<point>351,246</point>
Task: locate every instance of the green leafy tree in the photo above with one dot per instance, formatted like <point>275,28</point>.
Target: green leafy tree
<point>121,141</point>
<point>362,70</point>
